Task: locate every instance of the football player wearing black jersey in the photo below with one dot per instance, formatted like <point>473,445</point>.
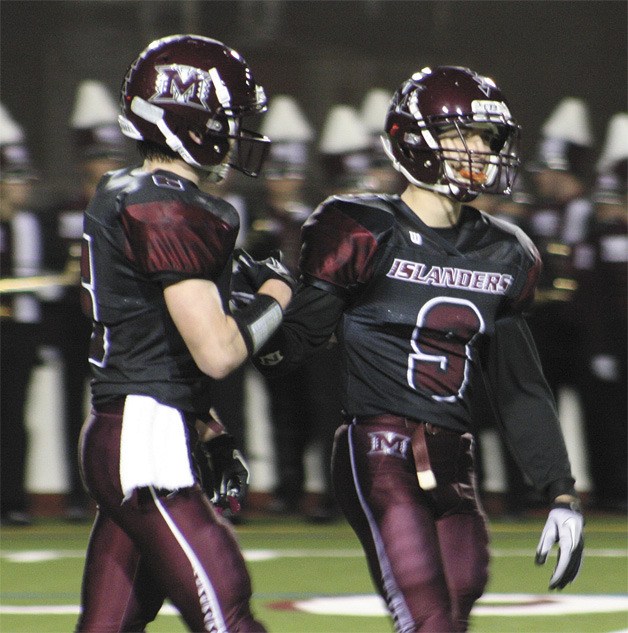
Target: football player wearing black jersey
<point>156,262</point>
<point>426,297</point>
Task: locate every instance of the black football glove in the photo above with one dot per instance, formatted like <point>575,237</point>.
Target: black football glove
<point>226,475</point>
<point>249,274</point>
<point>242,292</point>
<point>564,526</point>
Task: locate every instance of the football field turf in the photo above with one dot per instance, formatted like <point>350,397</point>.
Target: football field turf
<point>313,579</point>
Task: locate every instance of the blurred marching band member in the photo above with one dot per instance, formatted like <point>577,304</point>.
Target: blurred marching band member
<point>424,292</point>
<point>601,264</point>
<point>20,315</point>
<point>561,174</point>
<point>345,152</point>
<point>304,404</point>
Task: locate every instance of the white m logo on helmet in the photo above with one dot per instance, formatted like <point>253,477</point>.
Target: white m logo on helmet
<point>180,84</point>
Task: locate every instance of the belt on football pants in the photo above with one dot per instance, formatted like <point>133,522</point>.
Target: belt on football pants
<point>425,475</point>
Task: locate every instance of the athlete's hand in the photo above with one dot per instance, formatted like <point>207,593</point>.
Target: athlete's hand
<point>227,474</point>
<point>564,526</point>
<point>250,274</point>
<point>241,292</point>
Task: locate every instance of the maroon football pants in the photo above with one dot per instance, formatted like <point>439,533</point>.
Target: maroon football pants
<point>427,551</point>
<point>155,546</point>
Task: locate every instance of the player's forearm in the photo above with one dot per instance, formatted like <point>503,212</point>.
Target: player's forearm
<point>213,338</point>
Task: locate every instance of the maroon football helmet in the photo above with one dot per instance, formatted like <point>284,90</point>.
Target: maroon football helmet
<point>450,99</point>
<point>189,83</point>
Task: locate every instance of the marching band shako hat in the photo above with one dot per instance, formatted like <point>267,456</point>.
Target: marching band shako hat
<point>612,166</point>
<point>291,135</point>
<point>345,148</point>
<point>373,111</point>
<point>94,123</point>
<point>15,159</point>
<point>566,140</point>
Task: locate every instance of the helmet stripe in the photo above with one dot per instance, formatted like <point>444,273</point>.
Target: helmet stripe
<point>222,92</point>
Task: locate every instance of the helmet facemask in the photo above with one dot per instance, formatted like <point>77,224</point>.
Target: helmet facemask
<point>456,169</point>
<point>489,167</point>
<point>236,146</point>
<point>249,152</point>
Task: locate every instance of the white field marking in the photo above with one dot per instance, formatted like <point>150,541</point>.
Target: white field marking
<point>61,609</point>
<point>492,604</point>
<point>40,555</point>
<point>258,555</point>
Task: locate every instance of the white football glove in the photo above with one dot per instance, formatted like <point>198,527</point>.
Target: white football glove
<point>564,525</point>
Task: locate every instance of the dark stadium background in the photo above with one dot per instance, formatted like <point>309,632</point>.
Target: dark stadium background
<point>321,52</point>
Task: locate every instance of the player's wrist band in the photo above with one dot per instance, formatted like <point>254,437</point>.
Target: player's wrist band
<point>258,320</point>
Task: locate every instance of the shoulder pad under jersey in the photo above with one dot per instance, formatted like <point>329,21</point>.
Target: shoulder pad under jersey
<point>529,261</point>
<point>340,240</point>
<point>173,228</point>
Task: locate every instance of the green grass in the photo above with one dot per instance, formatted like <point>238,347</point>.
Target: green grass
<point>321,561</point>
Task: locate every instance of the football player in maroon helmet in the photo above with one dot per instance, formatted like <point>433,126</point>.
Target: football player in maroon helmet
<point>155,272</point>
<point>170,96</point>
<point>426,297</point>
<point>426,140</point>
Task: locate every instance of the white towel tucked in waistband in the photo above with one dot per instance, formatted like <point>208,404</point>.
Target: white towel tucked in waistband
<point>153,447</point>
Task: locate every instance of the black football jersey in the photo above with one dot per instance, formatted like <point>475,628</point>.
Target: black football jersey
<point>416,307</point>
<point>425,320</point>
<point>143,231</point>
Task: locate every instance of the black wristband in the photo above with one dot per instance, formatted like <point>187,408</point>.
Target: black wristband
<point>560,487</point>
<point>258,320</point>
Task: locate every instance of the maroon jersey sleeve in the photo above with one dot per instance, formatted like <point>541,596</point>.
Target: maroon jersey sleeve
<point>170,240</point>
<point>339,243</point>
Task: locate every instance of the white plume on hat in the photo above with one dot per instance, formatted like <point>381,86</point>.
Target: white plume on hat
<point>15,159</point>
<point>616,146</point>
<point>344,131</point>
<point>284,121</point>
<point>93,106</point>
<point>374,109</point>
<point>10,131</point>
<point>569,122</point>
